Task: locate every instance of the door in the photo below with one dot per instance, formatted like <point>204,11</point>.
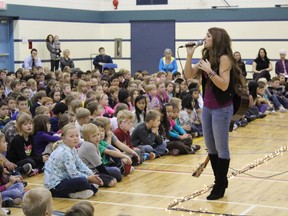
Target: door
<point>149,39</point>
<point>6,46</point>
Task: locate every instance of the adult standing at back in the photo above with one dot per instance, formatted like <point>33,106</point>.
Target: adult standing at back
<point>168,62</point>
<point>262,66</point>
<point>53,52</point>
<point>281,66</point>
<point>101,59</point>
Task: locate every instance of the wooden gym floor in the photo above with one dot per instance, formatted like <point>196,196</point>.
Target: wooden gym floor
<point>153,185</point>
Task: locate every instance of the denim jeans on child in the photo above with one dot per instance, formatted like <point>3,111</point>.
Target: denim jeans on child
<point>14,191</point>
<point>72,185</point>
<point>215,123</point>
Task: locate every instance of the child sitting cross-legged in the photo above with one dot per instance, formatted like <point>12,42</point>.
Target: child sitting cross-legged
<point>65,174</point>
<point>21,149</point>
<point>90,155</point>
<point>11,183</point>
<point>146,135</point>
<point>115,162</point>
<point>125,122</point>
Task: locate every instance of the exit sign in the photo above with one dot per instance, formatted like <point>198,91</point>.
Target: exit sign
<point>3,5</point>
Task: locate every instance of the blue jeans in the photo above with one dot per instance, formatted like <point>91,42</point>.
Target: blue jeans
<point>14,191</point>
<point>72,185</point>
<point>215,124</point>
<point>115,172</point>
<point>158,149</point>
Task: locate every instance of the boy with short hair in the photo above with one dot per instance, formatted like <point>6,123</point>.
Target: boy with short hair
<point>22,106</point>
<point>4,114</point>
<point>115,162</point>
<point>11,102</point>
<point>90,155</point>
<point>125,120</point>
<point>146,134</point>
<point>37,201</point>
<point>66,89</point>
<point>82,117</point>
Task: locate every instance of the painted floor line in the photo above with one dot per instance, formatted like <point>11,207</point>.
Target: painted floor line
<point>248,210</point>
<point>119,204</point>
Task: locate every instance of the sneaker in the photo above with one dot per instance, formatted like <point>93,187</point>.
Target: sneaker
<point>146,156</point>
<point>33,172</point>
<point>131,169</point>
<point>195,147</point>
<point>7,203</point>
<point>24,183</point>
<point>127,168</point>
<point>27,168</point>
<point>282,109</point>
<point>6,211</point>
<point>17,201</point>
<point>166,151</point>
<point>152,155</point>
<point>235,126</point>
<point>85,194</point>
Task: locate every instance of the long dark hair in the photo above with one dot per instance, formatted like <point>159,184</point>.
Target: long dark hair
<point>137,110</point>
<point>47,38</point>
<point>266,59</point>
<point>222,46</point>
<point>165,123</point>
<point>253,85</point>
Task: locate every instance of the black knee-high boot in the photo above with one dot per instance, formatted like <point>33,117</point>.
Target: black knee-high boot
<point>221,181</point>
<point>214,163</point>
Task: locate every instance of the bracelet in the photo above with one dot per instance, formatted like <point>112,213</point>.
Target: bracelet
<point>211,74</point>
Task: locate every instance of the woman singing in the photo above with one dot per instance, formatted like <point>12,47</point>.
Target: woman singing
<point>221,79</point>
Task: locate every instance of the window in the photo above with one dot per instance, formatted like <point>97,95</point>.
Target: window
<point>151,2</point>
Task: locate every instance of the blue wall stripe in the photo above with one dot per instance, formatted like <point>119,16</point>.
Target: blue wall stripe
<point>196,15</point>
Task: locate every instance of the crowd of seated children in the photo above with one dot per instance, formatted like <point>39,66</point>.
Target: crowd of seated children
<point>112,102</point>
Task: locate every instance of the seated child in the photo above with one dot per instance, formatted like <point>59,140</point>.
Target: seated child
<point>173,132</point>
<point>189,116</point>
<point>113,120</point>
<point>11,182</point>
<point>21,149</point>
<point>125,121</point>
<point>146,135</point>
<point>4,114</point>
<point>65,174</point>
<point>90,155</point>
<point>22,106</point>
<point>37,201</point>
<point>43,136</point>
<point>140,110</point>
<point>115,162</point>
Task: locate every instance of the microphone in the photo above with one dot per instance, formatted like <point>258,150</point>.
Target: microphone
<point>197,43</point>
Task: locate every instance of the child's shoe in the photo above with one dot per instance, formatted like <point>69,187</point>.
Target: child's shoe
<point>7,203</point>
<point>152,155</point>
<point>85,194</point>
<point>27,168</point>
<point>146,156</point>
<point>195,147</point>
